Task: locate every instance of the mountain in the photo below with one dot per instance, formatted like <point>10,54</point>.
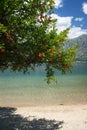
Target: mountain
<point>81,41</point>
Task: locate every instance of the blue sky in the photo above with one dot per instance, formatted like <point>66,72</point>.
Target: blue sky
<point>72,14</point>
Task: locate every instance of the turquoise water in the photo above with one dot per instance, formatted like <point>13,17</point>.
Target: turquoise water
<point>19,89</point>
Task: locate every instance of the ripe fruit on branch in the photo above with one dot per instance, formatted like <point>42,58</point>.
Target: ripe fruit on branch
<point>41,16</point>
<point>66,66</point>
<point>9,38</point>
<point>40,55</point>
<point>2,50</point>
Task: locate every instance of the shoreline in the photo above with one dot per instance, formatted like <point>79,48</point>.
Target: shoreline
<point>18,105</point>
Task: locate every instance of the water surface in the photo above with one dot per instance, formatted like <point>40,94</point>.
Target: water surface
<point>19,89</point>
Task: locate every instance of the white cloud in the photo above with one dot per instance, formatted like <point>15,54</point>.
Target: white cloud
<point>76,31</point>
<point>58,3</point>
<point>79,19</point>
<point>84,7</point>
<point>62,22</point>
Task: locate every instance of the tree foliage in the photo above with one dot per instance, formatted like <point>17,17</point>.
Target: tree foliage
<point>28,38</point>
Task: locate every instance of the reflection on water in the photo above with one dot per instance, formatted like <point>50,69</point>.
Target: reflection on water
<point>19,89</point>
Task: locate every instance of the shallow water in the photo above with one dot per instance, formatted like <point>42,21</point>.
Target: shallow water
<point>18,89</point>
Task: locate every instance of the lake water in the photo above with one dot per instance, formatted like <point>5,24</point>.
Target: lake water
<point>22,90</point>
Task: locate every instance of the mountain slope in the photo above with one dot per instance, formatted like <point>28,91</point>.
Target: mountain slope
<point>82,47</point>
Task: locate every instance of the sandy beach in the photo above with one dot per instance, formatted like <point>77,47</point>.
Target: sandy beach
<point>63,117</point>
<point>73,116</point>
